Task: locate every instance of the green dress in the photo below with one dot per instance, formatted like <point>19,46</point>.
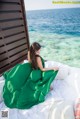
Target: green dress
<point>25,86</point>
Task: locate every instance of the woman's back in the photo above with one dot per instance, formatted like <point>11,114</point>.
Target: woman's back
<point>43,62</point>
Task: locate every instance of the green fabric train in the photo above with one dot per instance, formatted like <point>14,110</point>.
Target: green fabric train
<point>25,87</point>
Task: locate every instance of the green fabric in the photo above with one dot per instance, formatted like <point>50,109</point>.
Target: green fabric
<point>25,87</point>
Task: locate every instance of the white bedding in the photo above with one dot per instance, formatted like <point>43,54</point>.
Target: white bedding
<point>59,103</point>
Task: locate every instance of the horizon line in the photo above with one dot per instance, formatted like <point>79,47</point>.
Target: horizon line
<point>54,8</point>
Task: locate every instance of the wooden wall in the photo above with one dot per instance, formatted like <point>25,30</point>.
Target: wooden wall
<point>14,39</point>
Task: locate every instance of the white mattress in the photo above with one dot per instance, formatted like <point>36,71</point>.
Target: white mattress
<point>59,103</point>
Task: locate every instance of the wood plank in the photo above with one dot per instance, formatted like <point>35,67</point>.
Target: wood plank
<point>14,38</point>
<point>19,55</point>
<point>12,52</point>
<point>9,16</point>
<point>16,44</point>
<point>2,49</point>
<point>19,60</point>
<point>8,24</point>
<point>16,50</point>
<point>3,69</point>
<point>9,7</point>
<point>11,1</point>
<point>13,31</point>
<point>1,42</point>
<point>0,34</point>
<point>3,56</point>
<point>3,63</point>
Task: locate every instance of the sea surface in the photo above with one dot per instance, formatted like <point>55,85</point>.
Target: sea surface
<point>58,31</point>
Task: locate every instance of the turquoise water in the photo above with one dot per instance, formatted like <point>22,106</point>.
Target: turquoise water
<point>58,31</point>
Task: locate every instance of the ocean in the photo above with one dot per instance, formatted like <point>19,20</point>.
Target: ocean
<point>58,31</point>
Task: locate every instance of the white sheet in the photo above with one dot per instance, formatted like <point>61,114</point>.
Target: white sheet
<point>59,103</point>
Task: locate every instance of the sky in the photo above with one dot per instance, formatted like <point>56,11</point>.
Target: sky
<point>46,4</point>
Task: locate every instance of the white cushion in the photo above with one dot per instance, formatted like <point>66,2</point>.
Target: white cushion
<point>73,80</point>
<point>61,110</point>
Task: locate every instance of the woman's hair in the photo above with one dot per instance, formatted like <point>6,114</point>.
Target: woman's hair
<point>33,48</point>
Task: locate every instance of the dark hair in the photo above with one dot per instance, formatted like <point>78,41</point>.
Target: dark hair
<point>33,48</point>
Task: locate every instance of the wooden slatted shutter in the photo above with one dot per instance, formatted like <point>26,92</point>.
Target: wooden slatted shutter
<point>14,39</point>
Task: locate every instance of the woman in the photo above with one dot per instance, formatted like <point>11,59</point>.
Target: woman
<point>36,60</point>
<point>27,84</point>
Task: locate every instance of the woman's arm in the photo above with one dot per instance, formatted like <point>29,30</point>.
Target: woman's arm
<point>39,62</point>
<point>29,56</point>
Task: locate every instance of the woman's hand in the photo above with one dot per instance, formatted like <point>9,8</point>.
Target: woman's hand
<point>55,68</point>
